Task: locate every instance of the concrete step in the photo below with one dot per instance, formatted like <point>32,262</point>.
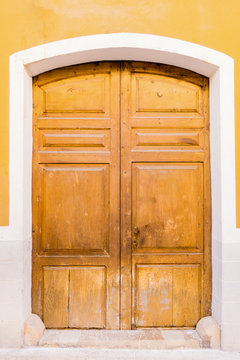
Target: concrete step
<point>46,353</point>
<point>122,339</point>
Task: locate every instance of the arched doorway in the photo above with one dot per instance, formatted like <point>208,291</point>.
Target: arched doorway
<point>121,167</point>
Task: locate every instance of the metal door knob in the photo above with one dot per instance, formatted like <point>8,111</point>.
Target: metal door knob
<point>135,235</point>
<point>136,230</point>
<point>134,242</point>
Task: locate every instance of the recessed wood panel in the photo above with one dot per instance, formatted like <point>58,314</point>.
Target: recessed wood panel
<point>169,212</point>
<point>153,296</point>
<point>55,297</point>
<point>167,295</point>
<point>67,140</point>
<point>76,198</point>
<point>155,93</point>
<point>84,94</point>
<point>186,295</point>
<point>156,139</point>
<point>87,298</point>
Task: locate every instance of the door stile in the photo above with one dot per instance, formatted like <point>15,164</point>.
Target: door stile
<point>126,241</point>
<point>207,254</point>
<point>113,287</point>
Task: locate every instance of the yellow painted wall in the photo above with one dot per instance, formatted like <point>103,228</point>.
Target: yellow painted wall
<point>26,23</point>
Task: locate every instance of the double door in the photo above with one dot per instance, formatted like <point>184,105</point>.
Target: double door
<point>121,197</point>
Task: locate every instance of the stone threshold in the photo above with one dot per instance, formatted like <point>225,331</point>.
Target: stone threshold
<point>122,339</point>
<point>46,353</point>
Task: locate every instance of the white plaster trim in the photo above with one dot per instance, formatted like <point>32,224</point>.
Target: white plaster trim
<point>123,46</point>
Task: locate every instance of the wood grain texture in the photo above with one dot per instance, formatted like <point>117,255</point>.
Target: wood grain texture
<point>55,297</point>
<point>153,296</point>
<point>172,290</point>
<point>155,93</point>
<point>121,196</point>
<point>169,213</point>
<point>156,139</point>
<point>70,212</point>
<point>72,140</point>
<point>186,295</point>
<point>78,94</point>
<point>87,298</point>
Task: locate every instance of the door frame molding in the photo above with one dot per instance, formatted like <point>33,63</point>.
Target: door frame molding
<point>124,46</point>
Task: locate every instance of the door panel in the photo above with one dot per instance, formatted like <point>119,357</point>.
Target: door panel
<point>155,93</point>
<point>121,197</point>
<point>70,140</point>
<point>167,206</point>
<point>87,297</point>
<point>79,94</point>
<point>174,291</point>
<point>74,297</point>
<point>156,139</point>
<point>186,294</point>
<point>153,290</point>
<point>67,198</point>
<point>55,297</point>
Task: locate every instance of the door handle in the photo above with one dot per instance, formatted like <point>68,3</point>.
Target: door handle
<point>134,242</point>
<point>136,231</point>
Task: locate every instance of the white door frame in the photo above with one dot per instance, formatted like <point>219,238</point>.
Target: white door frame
<point>124,46</point>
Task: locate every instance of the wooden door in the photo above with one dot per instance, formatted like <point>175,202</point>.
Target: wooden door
<point>121,145</point>
<point>165,197</point>
<point>76,197</point>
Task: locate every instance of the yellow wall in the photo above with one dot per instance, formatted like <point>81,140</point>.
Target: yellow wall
<point>26,23</point>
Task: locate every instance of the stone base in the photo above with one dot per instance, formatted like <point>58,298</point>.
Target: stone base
<point>33,330</point>
<point>122,339</point>
<point>209,331</point>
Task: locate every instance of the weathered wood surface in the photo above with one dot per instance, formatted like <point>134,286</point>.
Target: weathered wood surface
<point>121,197</point>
